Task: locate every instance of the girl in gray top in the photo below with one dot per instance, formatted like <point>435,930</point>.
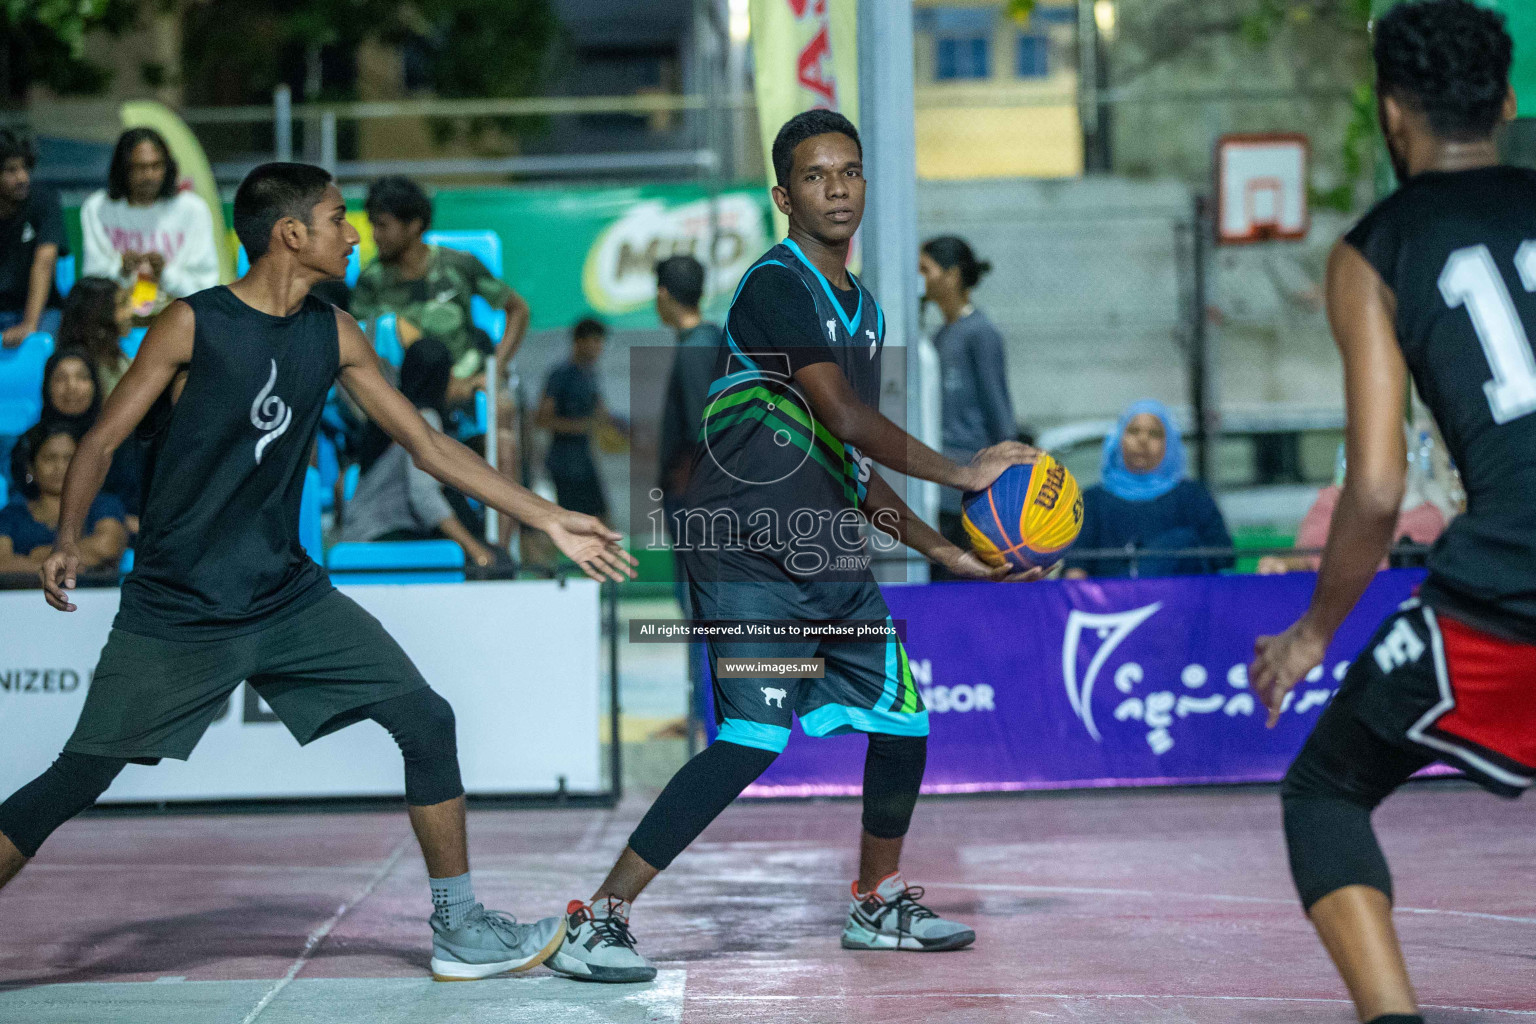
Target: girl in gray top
<point>394,499</point>
<point>977,410</point>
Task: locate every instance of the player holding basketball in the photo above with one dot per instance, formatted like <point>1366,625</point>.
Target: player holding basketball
<point>780,483</point>
<point>235,378</point>
<point>1436,282</point>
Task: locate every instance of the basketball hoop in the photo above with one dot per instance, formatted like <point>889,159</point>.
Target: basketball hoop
<point>1261,188</point>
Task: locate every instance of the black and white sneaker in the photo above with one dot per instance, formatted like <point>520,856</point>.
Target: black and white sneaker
<point>892,918</point>
<point>598,945</point>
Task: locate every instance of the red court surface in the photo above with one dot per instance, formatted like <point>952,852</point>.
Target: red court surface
<point>1153,907</point>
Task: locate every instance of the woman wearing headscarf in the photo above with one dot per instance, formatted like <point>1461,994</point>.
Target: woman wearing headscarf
<point>71,402</point>
<point>29,523</point>
<point>395,500</point>
<point>1143,501</point>
<point>977,410</point>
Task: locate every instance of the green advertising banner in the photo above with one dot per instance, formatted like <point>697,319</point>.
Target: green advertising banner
<point>574,252</point>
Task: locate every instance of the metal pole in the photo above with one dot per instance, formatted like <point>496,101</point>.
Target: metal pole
<point>328,141</point>
<point>889,243</point>
<point>1088,82</point>
<point>1199,343</point>
<point>282,123</point>
<point>492,517</point>
<point>616,743</point>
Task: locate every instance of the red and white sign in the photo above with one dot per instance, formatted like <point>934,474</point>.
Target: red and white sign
<point>1261,188</point>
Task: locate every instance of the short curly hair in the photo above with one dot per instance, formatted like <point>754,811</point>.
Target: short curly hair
<point>1449,60</point>
<point>807,125</point>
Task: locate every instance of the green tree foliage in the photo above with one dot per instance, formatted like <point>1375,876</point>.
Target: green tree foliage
<point>43,42</point>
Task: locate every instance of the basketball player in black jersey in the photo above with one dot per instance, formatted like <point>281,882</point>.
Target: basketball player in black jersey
<point>789,435</point>
<point>1436,282</point>
<point>232,381</point>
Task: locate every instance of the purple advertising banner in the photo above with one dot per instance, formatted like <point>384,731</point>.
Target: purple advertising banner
<point>1081,683</point>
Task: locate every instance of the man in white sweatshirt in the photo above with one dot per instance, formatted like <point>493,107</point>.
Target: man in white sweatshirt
<point>146,233</point>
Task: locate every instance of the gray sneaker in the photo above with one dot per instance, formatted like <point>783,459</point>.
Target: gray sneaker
<point>490,942</point>
<point>892,918</point>
<point>598,945</point>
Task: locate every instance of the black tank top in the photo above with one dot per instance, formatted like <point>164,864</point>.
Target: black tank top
<point>218,551</point>
<point>1458,250</point>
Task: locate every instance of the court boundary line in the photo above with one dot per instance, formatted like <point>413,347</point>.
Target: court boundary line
<point>317,936</point>
<point>728,997</point>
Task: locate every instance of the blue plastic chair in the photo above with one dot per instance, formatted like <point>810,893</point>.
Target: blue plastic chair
<point>354,265</point>
<point>311,533</point>
<point>135,338</point>
<point>486,245</point>
<point>328,470</point>
<point>64,274</point>
<point>386,340</point>
<point>21,382</point>
<point>396,554</point>
<point>349,479</point>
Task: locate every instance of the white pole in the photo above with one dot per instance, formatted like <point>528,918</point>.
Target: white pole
<point>887,126</point>
<point>328,141</point>
<point>282,123</point>
<point>492,372</point>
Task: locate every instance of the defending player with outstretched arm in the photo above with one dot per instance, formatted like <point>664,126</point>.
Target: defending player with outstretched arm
<point>232,381</point>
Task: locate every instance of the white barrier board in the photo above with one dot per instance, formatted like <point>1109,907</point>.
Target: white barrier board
<point>519,661</point>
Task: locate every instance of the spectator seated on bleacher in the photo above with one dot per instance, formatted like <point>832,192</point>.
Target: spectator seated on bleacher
<point>71,404</point>
<point>29,523</point>
<point>1144,502</point>
<point>144,232</point>
<point>96,319</point>
<point>429,288</point>
<point>31,241</point>
<point>395,500</point>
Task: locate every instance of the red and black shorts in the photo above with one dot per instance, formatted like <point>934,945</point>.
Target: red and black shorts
<point>1462,696</point>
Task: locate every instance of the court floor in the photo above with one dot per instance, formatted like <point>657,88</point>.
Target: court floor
<point>1154,907</point>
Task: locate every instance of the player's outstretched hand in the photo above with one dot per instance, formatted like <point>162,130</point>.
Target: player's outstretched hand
<point>588,542</point>
<point>58,575</point>
<point>989,463</point>
<point>969,565</point>
<point>1279,663</point>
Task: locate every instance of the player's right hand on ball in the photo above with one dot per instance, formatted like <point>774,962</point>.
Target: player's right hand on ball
<point>989,463</point>
<point>58,576</point>
<point>588,542</point>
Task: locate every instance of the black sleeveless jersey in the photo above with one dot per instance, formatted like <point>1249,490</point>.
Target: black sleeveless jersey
<point>788,488</point>
<point>1458,250</point>
<point>218,551</point>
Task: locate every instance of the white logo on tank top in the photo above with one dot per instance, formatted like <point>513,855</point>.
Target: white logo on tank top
<point>270,414</point>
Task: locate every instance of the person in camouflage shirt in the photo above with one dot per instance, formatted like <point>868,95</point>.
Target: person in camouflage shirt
<point>429,287</point>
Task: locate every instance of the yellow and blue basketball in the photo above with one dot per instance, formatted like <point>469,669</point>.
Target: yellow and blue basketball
<point>1027,518</point>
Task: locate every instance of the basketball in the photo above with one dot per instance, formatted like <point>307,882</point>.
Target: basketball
<point>1027,518</point>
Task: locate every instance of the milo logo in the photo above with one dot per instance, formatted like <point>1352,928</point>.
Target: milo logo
<point>1050,491</point>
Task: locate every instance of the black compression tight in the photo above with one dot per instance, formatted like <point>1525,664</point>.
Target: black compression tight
<point>1337,780</point>
<point>422,723</point>
<point>697,794</point>
<point>893,773</point>
<point>69,786</point>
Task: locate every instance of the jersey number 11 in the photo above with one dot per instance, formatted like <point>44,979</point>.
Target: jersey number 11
<point>1471,278</point>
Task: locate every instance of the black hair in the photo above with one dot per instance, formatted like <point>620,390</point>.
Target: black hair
<point>1449,60</point>
<point>807,125</point>
<point>953,251</point>
<point>401,198</point>
<point>270,193</point>
<point>117,170</point>
<point>589,327</point>
<point>14,144</point>
<point>77,423</point>
<point>90,320</point>
<point>25,453</point>
<point>683,278</point>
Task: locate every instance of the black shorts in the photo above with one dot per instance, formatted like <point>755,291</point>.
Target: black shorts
<point>152,698</point>
<point>867,686</point>
<point>1437,685</point>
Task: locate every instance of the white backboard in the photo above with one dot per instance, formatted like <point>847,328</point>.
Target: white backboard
<point>1261,188</point>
